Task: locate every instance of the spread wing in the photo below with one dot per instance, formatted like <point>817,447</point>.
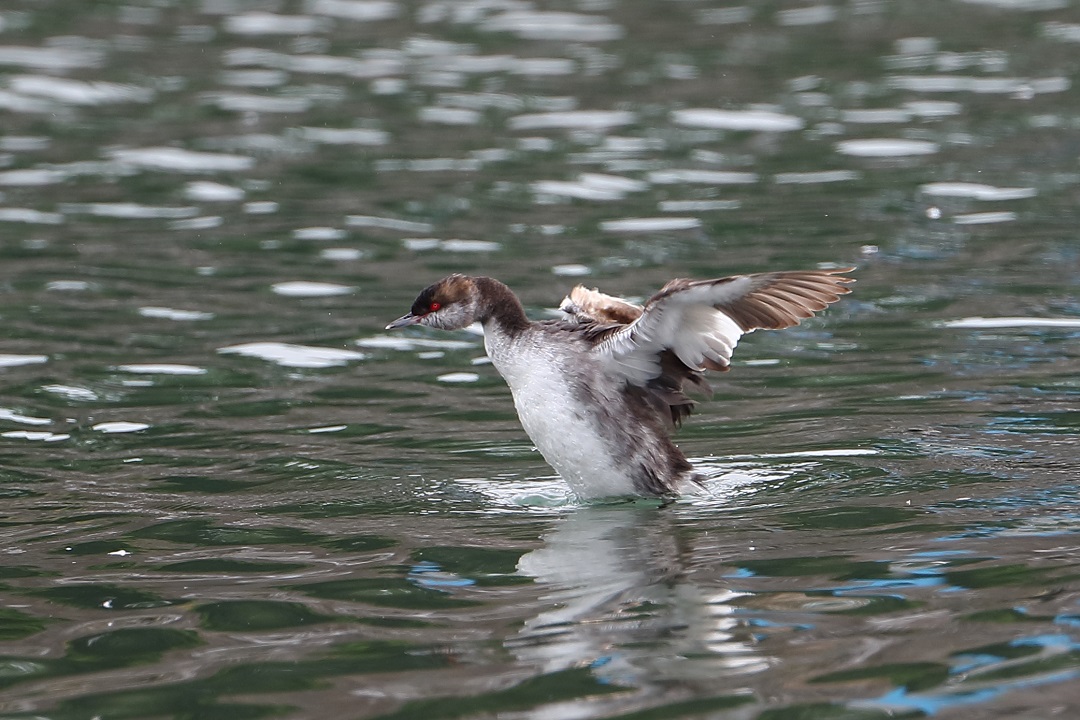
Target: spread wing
<point>692,326</point>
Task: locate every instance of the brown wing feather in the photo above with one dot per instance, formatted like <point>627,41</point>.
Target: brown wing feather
<point>778,300</point>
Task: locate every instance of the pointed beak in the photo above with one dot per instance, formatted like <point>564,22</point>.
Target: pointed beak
<point>404,320</point>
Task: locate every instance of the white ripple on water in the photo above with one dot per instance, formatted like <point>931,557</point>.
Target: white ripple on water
<point>980,323</point>
<point>455,245</point>
<point>655,224</point>
<point>435,165</point>
<point>265,23</point>
<point>725,16</point>
<point>51,58</point>
<point>933,109</point>
<point>97,168</point>
<point>359,10</point>
<point>345,136</point>
<point>9,360</point>
<point>812,15</point>
<point>573,119</point>
<point>425,244</point>
<point>815,177</point>
<point>984,218</point>
<point>491,155</point>
<point>377,65</point>
<point>426,46</point>
<point>591,186</point>
<point>576,190</point>
<point>32,177</point>
<point>371,64</point>
<point>1023,5</point>
<point>261,207</point>
<point>245,102</point>
<point>128,210</point>
<point>388,86</point>
<point>469,64</point>
<point>120,426</point>
<point>565,26</point>
<point>197,223</point>
<point>24,104</point>
<point>453,67</point>
<point>632,145</point>
<point>702,177</point>
<point>536,144</point>
<point>78,92</point>
<point>869,116</point>
<point>542,67</point>
<point>745,120</point>
<point>404,343</point>
<point>327,429</point>
<point>449,116</point>
<point>178,160</point>
<point>253,78</point>
<point>12,416</point>
<point>698,205</point>
<point>71,392</point>
<point>832,452</point>
<point>31,217</point>
<point>385,223</point>
<point>38,435</point>
<point>886,147</point>
<point>977,191</point>
<point>571,270</point>
<point>979,85</point>
<point>342,254</point>
<point>458,377</point>
<point>165,313</point>
<point>206,191</point>
<point>294,356</point>
<point>161,369</point>
<point>260,143</point>
<point>69,286</point>
<point>319,233</point>
<point>306,288</point>
<point>1069,32</point>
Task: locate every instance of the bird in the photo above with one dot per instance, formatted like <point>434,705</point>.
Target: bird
<point>600,389</point>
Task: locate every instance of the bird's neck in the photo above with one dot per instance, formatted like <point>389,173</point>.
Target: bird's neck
<point>500,307</point>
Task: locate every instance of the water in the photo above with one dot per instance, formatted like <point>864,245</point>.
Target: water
<point>228,493</point>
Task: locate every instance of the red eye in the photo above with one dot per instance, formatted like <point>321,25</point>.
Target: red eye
<point>434,306</point>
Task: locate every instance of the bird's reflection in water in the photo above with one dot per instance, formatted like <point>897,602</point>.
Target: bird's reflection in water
<point>621,603</point>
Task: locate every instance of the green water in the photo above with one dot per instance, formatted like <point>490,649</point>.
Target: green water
<point>227,493</point>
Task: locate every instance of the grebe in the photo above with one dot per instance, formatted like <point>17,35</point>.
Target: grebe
<point>599,390</point>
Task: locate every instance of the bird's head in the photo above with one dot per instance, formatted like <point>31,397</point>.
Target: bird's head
<point>450,304</point>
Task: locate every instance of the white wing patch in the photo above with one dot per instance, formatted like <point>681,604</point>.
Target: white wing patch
<point>705,333</point>
<point>682,323</point>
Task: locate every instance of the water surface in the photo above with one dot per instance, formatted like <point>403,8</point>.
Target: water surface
<point>228,493</point>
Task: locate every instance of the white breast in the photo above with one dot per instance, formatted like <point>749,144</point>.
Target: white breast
<point>555,418</point>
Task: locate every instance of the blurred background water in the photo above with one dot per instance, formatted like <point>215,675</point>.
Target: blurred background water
<point>228,494</point>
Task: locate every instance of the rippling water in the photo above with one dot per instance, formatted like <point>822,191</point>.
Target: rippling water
<point>228,493</point>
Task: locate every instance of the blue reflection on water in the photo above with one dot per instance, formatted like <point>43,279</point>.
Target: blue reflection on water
<point>931,702</point>
<point>900,698</point>
<point>430,575</point>
<point>861,585</point>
